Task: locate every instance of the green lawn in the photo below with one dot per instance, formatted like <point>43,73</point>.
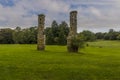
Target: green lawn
<point>99,61</point>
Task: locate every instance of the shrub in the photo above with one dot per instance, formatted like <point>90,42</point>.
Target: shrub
<point>76,44</point>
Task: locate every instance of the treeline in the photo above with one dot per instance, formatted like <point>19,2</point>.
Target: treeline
<point>110,35</point>
<point>56,34</point>
<point>18,36</point>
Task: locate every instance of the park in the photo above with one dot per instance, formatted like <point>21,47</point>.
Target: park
<point>24,62</point>
<point>98,60</point>
<point>59,39</point>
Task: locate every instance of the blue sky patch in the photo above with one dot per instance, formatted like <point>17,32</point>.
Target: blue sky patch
<point>7,2</point>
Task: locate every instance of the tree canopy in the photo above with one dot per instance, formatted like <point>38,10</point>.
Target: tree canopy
<point>56,34</point>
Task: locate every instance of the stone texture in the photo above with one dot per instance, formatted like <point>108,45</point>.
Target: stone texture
<point>41,36</point>
<point>73,22</point>
<point>73,30</point>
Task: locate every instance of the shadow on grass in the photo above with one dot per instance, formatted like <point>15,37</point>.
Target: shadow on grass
<point>61,52</point>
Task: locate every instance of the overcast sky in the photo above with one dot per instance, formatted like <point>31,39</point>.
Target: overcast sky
<point>94,15</point>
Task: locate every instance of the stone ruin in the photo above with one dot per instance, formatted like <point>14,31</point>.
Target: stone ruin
<point>73,22</point>
<point>73,30</point>
<point>41,36</point>
<point>72,33</point>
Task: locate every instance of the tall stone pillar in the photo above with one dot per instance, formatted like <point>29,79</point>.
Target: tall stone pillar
<point>73,30</point>
<point>41,36</point>
<point>73,22</point>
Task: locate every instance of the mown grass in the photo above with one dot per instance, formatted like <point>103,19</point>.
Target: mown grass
<point>99,61</point>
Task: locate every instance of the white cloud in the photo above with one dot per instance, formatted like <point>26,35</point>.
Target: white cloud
<point>22,13</point>
<point>92,14</point>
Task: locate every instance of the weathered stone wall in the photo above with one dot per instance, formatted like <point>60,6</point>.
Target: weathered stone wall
<point>73,30</point>
<point>41,36</point>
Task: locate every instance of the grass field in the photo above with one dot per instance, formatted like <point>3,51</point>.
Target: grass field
<point>99,61</point>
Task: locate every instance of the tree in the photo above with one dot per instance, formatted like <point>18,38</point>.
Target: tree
<point>118,37</point>
<point>17,29</point>
<point>76,43</point>
<point>111,35</point>
<point>63,33</point>
<point>99,35</point>
<point>106,36</point>
<point>62,38</point>
<point>17,35</point>
<point>55,31</point>
<point>49,36</point>
<point>6,36</point>
<point>57,34</point>
<point>25,36</point>
<point>88,35</point>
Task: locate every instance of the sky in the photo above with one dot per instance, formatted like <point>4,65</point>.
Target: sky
<point>94,15</point>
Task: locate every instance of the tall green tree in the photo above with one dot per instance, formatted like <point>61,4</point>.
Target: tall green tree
<point>49,36</point>
<point>17,35</point>
<point>6,36</point>
<point>63,33</point>
<point>57,34</point>
<point>55,31</point>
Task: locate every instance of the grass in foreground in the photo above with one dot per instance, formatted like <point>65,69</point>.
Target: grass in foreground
<point>99,61</point>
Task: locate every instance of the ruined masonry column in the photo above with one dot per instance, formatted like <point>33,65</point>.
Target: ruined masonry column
<point>73,30</point>
<point>41,36</point>
<point>73,22</point>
